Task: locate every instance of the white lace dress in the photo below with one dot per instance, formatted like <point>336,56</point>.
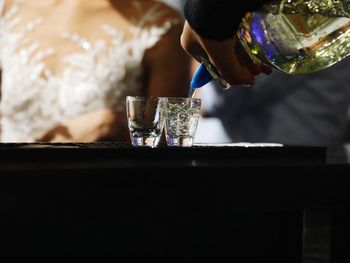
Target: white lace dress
<point>95,72</point>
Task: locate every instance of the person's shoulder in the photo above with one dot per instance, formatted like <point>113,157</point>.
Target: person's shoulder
<point>159,12</point>
<point>6,5</point>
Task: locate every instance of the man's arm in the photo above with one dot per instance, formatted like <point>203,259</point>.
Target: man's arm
<point>218,19</point>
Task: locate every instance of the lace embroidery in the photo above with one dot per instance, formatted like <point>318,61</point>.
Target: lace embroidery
<point>97,76</point>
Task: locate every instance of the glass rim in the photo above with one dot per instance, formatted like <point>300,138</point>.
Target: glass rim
<point>130,97</point>
<point>181,98</point>
<point>175,98</point>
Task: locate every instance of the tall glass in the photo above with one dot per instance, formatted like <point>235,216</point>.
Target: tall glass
<point>182,116</point>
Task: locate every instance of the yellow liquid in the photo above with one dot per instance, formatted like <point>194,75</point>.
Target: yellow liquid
<point>296,43</point>
<point>295,36</point>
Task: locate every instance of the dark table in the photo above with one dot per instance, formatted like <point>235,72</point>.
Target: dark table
<point>175,204</point>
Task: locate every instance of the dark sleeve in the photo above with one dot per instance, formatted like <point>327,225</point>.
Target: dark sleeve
<point>218,19</point>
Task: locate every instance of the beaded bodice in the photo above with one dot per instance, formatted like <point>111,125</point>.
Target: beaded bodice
<point>50,74</point>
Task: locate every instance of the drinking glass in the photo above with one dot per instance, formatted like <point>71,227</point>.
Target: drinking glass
<point>145,120</point>
<point>181,120</point>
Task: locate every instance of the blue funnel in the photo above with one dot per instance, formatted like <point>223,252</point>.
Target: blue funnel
<point>200,77</point>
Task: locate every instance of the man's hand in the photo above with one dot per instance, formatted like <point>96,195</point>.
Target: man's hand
<point>236,69</point>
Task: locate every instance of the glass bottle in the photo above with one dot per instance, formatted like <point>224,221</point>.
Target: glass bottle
<point>295,36</point>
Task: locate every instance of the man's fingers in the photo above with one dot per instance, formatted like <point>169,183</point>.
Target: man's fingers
<point>255,68</point>
<point>234,73</point>
<point>227,63</point>
<point>266,69</point>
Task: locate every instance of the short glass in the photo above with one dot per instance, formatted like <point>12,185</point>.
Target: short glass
<point>145,120</point>
<point>181,120</point>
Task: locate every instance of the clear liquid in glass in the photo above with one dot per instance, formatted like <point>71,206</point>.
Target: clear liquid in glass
<point>182,116</point>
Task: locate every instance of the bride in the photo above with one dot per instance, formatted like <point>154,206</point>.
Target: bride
<point>67,66</point>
